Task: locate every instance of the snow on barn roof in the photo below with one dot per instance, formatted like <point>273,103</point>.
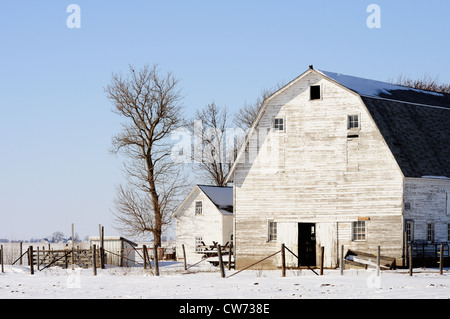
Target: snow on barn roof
<point>379,89</point>
<point>222,197</point>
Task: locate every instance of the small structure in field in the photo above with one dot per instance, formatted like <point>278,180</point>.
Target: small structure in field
<point>205,216</point>
<point>119,251</point>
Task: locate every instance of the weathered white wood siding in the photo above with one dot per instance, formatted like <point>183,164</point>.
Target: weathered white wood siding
<point>212,225</point>
<point>312,172</point>
<point>287,234</point>
<point>427,201</point>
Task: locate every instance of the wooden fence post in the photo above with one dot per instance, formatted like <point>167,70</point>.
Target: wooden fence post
<point>378,261</point>
<point>1,257</point>
<point>66,261</point>
<point>94,259</point>
<point>322,257</point>
<point>101,248</point>
<point>410,261</point>
<point>441,259</point>
<point>37,259</point>
<point>73,250</point>
<point>222,269</point>
<point>184,257</point>
<point>30,257</point>
<point>155,257</point>
<point>144,255</point>
<point>229,255</point>
<point>342,260</point>
<point>102,251</point>
<point>21,254</point>
<point>283,261</point>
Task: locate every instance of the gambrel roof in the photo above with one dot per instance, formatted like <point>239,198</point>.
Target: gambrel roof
<point>414,123</point>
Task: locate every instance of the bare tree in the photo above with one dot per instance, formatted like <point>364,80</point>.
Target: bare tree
<point>245,117</point>
<point>149,103</point>
<point>57,237</point>
<point>214,143</point>
<point>425,83</point>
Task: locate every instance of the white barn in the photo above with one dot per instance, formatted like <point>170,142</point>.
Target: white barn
<point>337,160</point>
<point>205,215</point>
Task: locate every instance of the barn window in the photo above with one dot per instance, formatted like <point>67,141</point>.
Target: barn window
<point>272,235</point>
<point>409,231</point>
<point>353,121</point>
<point>198,244</point>
<point>198,208</point>
<point>278,124</point>
<point>359,230</point>
<point>314,92</point>
<point>430,232</point>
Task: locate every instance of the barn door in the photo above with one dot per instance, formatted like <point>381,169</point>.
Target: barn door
<point>306,244</point>
<point>287,234</point>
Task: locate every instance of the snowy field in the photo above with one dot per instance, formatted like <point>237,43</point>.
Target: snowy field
<point>205,283</point>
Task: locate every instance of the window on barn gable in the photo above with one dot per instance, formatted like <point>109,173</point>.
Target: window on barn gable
<point>314,92</point>
<point>278,124</point>
<point>198,208</point>
<point>359,230</point>
<point>353,121</point>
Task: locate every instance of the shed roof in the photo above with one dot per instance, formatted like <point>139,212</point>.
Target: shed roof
<point>221,196</point>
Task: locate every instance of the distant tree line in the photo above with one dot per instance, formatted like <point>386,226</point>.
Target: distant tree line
<point>426,82</point>
<point>56,237</point>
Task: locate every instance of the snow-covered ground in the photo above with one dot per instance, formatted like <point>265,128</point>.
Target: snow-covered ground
<point>204,282</point>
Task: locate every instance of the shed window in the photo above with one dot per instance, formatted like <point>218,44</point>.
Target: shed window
<point>353,121</point>
<point>198,244</point>
<point>198,208</point>
<point>359,230</point>
<point>314,91</point>
<point>278,124</point>
<point>272,235</point>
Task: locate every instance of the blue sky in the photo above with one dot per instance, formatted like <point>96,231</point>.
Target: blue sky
<point>56,123</point>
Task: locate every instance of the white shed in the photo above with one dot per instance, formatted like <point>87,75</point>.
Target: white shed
<point>205,216</point>
<point>119,251</point>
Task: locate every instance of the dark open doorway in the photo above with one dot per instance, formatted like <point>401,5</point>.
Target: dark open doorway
<point>306,244</point>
